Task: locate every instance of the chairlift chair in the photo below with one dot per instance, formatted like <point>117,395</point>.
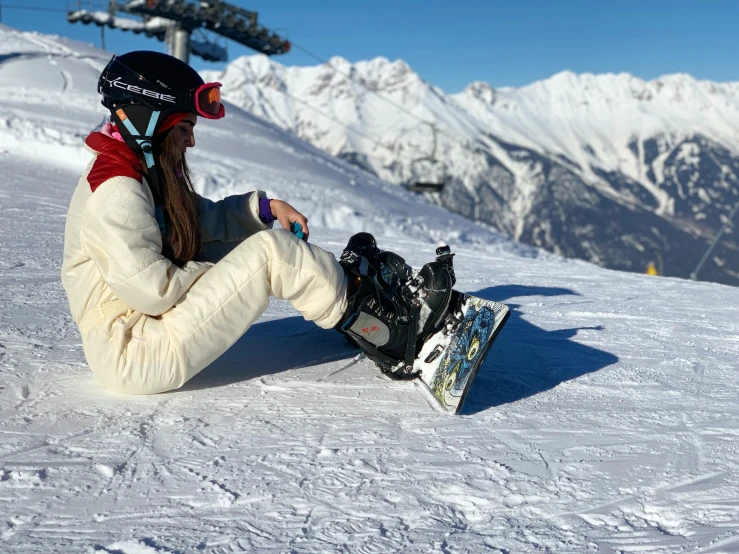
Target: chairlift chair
<point>428,185</point>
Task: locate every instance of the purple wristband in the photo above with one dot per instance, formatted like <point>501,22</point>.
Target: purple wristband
<point>265,213</point>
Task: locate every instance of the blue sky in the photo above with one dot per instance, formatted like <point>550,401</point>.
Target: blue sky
<point>450,44</point>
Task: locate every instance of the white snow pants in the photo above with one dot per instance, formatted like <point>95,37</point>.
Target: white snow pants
<point>134,353</point>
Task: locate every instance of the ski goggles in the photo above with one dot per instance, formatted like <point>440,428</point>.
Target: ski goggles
<point>207,101</point>
<point>123,84</point>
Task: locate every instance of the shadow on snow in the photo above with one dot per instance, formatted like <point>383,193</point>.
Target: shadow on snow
<point>525,359</point>
<point>270,347</point>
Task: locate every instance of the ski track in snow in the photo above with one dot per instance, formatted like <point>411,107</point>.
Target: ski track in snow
<point>604,419</point>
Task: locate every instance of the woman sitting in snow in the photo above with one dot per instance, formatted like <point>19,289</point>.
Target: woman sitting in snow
<point>151,309</point>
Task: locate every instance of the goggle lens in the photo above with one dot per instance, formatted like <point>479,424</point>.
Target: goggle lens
<point>208,101</point>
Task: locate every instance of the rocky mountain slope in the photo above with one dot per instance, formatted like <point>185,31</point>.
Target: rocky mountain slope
<point>607,168</point>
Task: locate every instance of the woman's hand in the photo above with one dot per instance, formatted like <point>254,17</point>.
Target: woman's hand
<point>286,215</point>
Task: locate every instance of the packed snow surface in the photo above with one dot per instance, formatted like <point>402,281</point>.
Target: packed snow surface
<point>605,419</point>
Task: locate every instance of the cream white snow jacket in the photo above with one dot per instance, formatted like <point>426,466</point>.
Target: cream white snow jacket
<point>123,292</point>
<point>113,244</point>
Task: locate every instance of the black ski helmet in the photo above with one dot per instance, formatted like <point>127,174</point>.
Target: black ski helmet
<point>142,88</point>
<point>150,78</point>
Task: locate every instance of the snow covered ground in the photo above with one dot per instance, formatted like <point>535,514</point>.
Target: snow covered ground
<point>604,420</point>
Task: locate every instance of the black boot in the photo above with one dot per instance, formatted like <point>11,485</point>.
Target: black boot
<point>391,311</point>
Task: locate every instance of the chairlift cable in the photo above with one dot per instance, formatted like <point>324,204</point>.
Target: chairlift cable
<point>334,119</point>
<point>32,8</point>
<point>340,123</point>
<point>375,141</point>
<point>461,141</point>
<point>714,242</point>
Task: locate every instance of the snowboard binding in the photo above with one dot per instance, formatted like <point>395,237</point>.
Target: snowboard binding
<point>392,309</point>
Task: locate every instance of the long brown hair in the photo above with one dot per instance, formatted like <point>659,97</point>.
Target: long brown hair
<point>183,239</point>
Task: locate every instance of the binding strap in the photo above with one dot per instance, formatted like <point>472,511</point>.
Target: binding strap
<point>410,349</point>
<point>389,366</point>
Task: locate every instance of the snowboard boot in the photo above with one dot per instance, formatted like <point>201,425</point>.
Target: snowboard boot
<point>358,260</point>
<point>360,255</point>
<point>391,312</point>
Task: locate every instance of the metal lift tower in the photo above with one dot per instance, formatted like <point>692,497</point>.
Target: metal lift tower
<point>175,21</point>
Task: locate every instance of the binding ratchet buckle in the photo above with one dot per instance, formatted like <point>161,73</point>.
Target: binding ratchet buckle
<point>444,256</point>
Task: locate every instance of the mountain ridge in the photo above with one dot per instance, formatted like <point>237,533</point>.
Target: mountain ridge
<point>665,147</point>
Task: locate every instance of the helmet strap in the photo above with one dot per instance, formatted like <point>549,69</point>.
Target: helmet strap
<point>139,142</point>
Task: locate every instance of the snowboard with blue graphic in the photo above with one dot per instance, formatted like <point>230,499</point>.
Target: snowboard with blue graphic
<point>450,359</point>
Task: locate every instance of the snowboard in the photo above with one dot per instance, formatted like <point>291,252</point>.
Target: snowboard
<point>450,359</point>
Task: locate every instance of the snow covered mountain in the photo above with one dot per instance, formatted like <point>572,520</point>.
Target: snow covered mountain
<point>607,168</point>
<point>604,420</point>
